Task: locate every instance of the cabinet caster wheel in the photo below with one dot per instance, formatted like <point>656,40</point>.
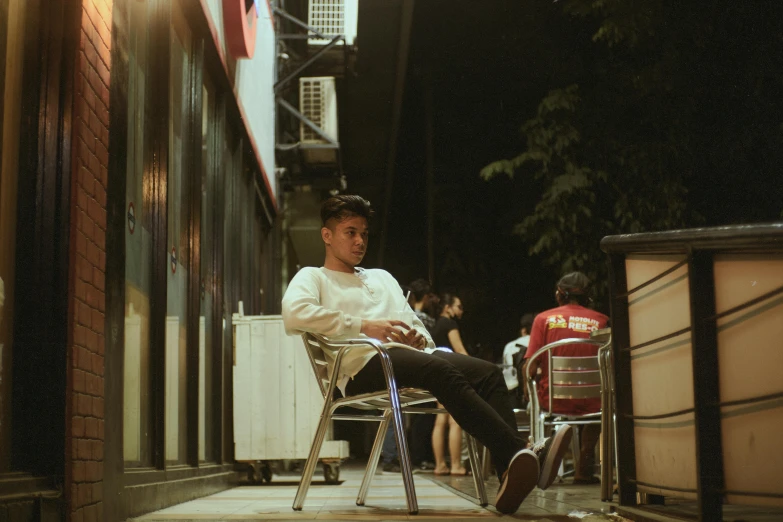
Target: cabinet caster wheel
<point>331,472</point>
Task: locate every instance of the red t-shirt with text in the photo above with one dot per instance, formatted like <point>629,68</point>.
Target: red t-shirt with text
<point>565,322</point>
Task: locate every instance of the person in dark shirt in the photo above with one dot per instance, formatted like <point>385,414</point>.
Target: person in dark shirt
<point>445,334</point>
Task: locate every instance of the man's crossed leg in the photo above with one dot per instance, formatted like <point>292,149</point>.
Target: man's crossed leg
<point>474,392</point>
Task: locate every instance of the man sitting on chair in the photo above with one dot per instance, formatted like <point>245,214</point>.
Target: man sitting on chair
<point>570,319</point>
<point>342,301</point>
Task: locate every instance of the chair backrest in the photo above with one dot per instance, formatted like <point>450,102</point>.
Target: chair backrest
<point>318,360</point>
<point>570,377</point>
<point>574,377</point>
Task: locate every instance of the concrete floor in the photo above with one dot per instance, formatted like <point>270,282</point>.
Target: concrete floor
<point>586,498</point>
<point>439,498</point>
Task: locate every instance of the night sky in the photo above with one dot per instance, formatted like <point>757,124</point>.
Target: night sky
<point>489,64</point>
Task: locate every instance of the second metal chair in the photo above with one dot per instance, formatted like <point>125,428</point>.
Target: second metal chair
<point>575,378</point>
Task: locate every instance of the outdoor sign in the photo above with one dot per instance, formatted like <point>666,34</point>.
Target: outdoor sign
<point>240,26</point>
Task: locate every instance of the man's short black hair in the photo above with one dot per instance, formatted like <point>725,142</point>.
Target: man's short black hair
<point>344,206</point>
<point>575,286</point>
<point>526,322</point>
<point>420,288</point>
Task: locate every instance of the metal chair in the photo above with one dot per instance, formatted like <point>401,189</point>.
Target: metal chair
<point>608,424</point>
<point>576,378</point>
<point>392,402</point>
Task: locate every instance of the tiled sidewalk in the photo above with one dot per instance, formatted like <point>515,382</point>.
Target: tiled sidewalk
<point>385,501</point>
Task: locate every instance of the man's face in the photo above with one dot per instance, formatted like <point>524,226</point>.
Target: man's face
<point>347,240</point>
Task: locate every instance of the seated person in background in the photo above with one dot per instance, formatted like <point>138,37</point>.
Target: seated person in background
<point>513,354</point>
<point>570,319</point>
<point>420,299</point>
<point>424,302</point>
<point>390,461</point>
<point>342,301</point>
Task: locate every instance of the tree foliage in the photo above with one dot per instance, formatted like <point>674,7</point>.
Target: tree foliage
<point>673,98</point>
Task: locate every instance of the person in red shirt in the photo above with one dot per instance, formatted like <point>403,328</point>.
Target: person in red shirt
<point>570,319</point>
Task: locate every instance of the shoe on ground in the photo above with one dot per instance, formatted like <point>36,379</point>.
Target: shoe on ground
<point>391,467</point>
<point>426,465</point>
<point>550,453</point>
<point>517,482</point>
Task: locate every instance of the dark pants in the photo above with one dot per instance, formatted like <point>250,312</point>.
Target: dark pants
<point>589,438</point>
<point>472,391</point>
<point>420,439</point>
<point>389,448</point>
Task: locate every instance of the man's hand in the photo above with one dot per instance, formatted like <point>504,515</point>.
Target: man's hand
<point>384,330</point>
<point>414,339</point>
<point>393,330</point>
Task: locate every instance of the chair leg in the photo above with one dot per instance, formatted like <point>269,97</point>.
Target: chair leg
<point>576,447</point>
<point>476,468</point>
<point>541,427</point>
<point>372,464</point>
<point>312,459</point>
<point>484,463</point>
<point>399,433</point>
<point>614,449</point>
<point>405,458</point>
<point>607,458</point>
<point>533,427</point>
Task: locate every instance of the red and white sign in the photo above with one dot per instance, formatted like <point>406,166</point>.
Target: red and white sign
<point>173,260</point>
<point>240,26</point>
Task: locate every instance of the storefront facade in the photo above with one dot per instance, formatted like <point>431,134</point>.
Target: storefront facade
<point>137,209</point>
<point>38,52</point>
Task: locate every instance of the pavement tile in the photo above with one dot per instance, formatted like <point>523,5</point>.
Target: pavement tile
<point>272,512</point>
<point>452,499</point>
<point>175,516</point>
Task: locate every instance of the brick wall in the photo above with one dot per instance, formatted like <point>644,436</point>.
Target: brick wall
<point>90,157</point>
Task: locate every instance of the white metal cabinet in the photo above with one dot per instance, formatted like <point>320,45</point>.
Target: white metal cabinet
<point>277,402</point>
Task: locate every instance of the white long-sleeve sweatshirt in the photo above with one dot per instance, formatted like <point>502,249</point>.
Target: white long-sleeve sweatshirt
<point>333,304</point>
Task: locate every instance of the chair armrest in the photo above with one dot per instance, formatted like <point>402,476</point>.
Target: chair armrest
<point>344,344</point>
<point>379,346</point>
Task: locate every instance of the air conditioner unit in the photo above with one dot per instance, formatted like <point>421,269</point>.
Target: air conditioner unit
<point>318,103</point>
<point>332,18</point>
